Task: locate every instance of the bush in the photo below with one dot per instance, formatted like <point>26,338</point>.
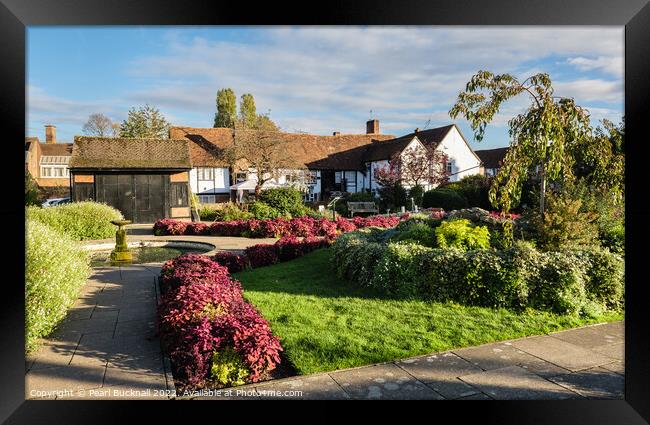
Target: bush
<point>285,200</point>
<point>231,212</point>
<point>228,368</point>
<point>393,197</point>
<point>261,255</point>
<point>398,270</point>
<point>233,262</point>
<point>446,199</point>
<point>475,189</point>
<point>417,232</point>
<point>31,190</point>
<point>79,220</point>
<point>605,283</point>
<point>196,228</point>
<point>417,193</point>
<point>462,234</point>
<point>208,213</point>
<point>190,269</point>
<point>55,270</point>
<point>262,211</point>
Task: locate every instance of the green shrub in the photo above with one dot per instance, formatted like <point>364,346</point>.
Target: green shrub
<point>393,197</point>
<point>31,190</point>
<point>446,199</point>
<point>355,255</point>
<point>286,200</point>
<point>228,368</point>
<point>399,269</point>
<point>55,270</point>
<point>262,211</point>
<point>79,220</point>
<point>417,232</point>
<point>474,189</point>
<point>208,213</point>
<point>416,192</point>
<point>559,284</point>
<point>605,283</point>
<point>462,234</point>
<point>231,212</point>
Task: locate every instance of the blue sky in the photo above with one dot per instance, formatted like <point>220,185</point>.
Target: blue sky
<point>311,79</point>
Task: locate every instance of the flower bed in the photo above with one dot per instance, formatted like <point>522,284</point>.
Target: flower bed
<point>280,227</point>
<point>213,336</point>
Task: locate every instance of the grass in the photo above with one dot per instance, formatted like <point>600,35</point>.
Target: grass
<point>325,323</point>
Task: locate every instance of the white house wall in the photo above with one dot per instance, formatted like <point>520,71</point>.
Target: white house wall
<point>219,184</point>
<point>462,157</point>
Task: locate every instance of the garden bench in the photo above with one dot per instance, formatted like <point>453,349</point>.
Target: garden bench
<point>355,207</point>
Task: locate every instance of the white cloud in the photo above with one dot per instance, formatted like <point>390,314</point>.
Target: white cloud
<point>610,64</point>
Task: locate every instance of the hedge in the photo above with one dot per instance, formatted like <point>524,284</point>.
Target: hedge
<point>79,220</point>
<point>570,281</point>
<point>447,199</point>
<point>55,270</point>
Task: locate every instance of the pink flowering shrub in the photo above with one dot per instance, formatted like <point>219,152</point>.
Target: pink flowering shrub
<point>233,262</point>
<point>189,269</point>
<point>208,316</point>
<point>197,228</point>
<point>168,226</point>
<point>261,255</point>
<point>504,216</point>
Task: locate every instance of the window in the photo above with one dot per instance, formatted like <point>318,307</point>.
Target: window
<point>207,199</point>
<point>58,172</point>
<point>449,167</point>
<point>241,177</point>
<point>337,177</point>
<point>206,174</point>
<point>46,171</point>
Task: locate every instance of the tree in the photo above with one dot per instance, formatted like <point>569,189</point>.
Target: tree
<point>99,125</point>
<point>391,192</point>
<point>31,190</point>
<point>145,122</point>
<point>417,168</point>
<point>261,148</point>
<point>247,110</point>
<point>226,109</point>
<point>541,136</point>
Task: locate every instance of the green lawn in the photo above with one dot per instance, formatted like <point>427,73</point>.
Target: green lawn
<point>327,324</point>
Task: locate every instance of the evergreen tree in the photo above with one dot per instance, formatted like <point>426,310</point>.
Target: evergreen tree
<point>247,110</point>
<point>145,122</point>
<point>226,108</point>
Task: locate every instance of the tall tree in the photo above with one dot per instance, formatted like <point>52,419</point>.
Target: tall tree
<point>145,122</point>
<point>261,148</point>
<point>247,110</point>
<point>99,125</point>
<point>226,108</point>
<point>540,137</point>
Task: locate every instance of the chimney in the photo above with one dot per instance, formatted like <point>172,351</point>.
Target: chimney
<point>372,127</point>
<point>417,129</point>
<point>336,133</point>
<point>50,134</point>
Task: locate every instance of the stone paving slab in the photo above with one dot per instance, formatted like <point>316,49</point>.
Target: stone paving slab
<point>613,351</point>
<point>384,381</point>
<point>561,353</point>
<point>516,383</point>
<point>596,383</point>
<point>503,354</point>
<point>440,372</point>
<point>592,337</point>
<point>617,367</point>
<point>315,387</point>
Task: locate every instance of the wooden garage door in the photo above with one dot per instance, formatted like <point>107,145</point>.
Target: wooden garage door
<point>140,197</point>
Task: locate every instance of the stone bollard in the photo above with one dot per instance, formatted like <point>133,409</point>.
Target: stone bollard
<point>121,253</point>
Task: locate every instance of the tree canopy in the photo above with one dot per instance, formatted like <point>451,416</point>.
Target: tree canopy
<point>145,122</point>
<point>542,136</point>
<point>247,110</point>
<point>100,125</point>
<point>226,108</point>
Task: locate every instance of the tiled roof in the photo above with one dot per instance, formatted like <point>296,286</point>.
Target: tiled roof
<point>107,153</point>
<point>385,150</point>
<point>492,158</point>
<point>344,151</point>
<point>56,149</point>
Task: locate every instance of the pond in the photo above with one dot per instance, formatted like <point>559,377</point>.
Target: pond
<point>144,254</point>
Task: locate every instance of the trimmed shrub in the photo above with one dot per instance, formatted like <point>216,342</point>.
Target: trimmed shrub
<point>262,211</point>
<point>447,199</point>
<point>169,226</point>
<point>196,228</point>
<point>233,262</point>
<point>189,269</point>
<point>475,189</point>
<point>55,270</point>
<point>417,232</point>
<point>605,275</point>
<point>399,269</point>
<point>208,213</point>
<point>559,284</point>
<point>261,255</point>
<point>79,220</point>
<point>285,200</point>
<point>231,212</point>
<point>462,234</point>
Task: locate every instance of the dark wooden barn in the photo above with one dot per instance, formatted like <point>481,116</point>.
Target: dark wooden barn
<point>146,179</point>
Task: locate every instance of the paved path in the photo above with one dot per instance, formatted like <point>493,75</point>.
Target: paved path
<point>579,363</point>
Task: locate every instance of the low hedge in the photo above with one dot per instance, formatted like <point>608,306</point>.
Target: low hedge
<point>447,199</point>
<point>570,281</point>
<point>212,335</point>
<point>79,220</point>
<point>55,270</point>
<point>280,227</point>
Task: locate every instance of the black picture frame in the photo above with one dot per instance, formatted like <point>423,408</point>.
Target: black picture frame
<point>16,15</point>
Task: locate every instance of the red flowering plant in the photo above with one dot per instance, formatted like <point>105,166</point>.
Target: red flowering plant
<point>189,269</point>
<point>233,262</point>
<point>345,225</point>
<point>197,228</point>
<point>261,255</point>
<point>501,216</point>
<point>167,226</point>
<point>302,226</point>
<point>289,247</point>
